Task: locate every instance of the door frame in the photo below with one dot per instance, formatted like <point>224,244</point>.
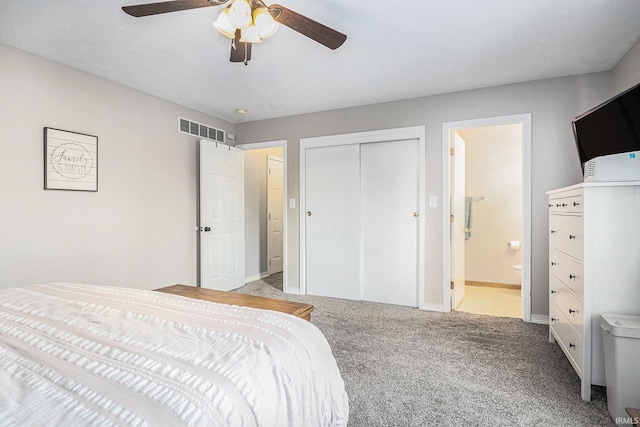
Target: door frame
<point>386,135</point>
<point>447,128</point>
<point>285,252</point>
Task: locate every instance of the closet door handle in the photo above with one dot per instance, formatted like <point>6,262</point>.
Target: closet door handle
<point>308,213</point>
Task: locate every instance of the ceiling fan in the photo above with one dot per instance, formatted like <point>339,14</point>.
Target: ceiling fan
<point>247,22</point>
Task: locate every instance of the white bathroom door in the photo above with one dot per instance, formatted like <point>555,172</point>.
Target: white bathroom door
<point>275,200</point>
<point>221,216</point>
<point>390,201</point>
<point>458,224</point>
<point>332,221</point>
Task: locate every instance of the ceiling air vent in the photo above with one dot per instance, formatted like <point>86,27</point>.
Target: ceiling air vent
<point>190,127</point>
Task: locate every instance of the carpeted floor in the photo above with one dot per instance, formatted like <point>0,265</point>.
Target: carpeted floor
<point>407,367</point>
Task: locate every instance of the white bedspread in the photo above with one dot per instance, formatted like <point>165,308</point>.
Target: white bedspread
<point>94,355</point>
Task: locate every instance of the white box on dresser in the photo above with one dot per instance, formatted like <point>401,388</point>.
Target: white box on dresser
<point>594,268</point>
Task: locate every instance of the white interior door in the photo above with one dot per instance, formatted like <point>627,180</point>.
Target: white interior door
<point>221,216</point>
<point>390,200</point>
<point>458,225</point>
<point>332,221</point>
<point>275,200</point>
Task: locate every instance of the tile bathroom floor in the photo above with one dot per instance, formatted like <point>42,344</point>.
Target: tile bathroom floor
<point>492,301</point>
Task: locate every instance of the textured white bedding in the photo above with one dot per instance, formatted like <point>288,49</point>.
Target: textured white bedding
<point>75,354</point>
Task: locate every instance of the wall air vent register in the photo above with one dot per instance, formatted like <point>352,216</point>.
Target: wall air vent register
<point>190,127</point>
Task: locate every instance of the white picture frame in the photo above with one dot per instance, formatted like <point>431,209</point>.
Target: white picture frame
<point>70,160</point>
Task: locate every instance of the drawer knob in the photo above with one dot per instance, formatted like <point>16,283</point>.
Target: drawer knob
<point>571,311</point>
<point>550,205</point>
<point>558,205</point>
<point>571,276</point>
<point>554,263</point>
<point>572,345</point>
<point>554,291</point>
<point>553,231</point>
<point>571,236</point>
<point>576,204</point>
<point>564,205</point>
<point>553,319</point>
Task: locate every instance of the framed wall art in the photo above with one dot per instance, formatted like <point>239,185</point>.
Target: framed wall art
<point>70,160</point>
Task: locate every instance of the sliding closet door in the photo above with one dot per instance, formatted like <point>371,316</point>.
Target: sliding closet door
<point>389,190</point>
<point>332,221</point>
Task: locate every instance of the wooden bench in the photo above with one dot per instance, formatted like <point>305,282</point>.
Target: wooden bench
<point>634,413</point>
<point>290,307</point>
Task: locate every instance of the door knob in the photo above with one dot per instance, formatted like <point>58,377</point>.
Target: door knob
<point>415,214</point>
<point>207,229</point>
<point>308,213</point>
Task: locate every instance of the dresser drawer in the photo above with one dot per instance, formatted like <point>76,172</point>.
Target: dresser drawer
<point>566,235</point>
<point>569,340</point>
<point>567,270</point>
<point>567,303</point>
<point>569,202</point>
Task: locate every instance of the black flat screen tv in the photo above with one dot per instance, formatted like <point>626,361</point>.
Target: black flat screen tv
<point>610,128</point>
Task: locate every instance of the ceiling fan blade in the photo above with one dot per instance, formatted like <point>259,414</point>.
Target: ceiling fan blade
<point>314,30</point>
<point>240,51</point>
<point>140,10</point>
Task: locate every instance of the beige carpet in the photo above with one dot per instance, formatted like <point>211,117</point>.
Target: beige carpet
<point>407,367</point>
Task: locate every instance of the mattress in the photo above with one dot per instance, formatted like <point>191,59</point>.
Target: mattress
<point>73,354</point>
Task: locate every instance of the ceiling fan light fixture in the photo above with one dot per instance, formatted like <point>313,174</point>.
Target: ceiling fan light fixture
<point>265,23</point>
<point>240,14</point>
<point>250,35</point>
<point>223,24</point>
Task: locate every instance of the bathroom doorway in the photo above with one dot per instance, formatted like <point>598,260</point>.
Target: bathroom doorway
<point>489,192</point>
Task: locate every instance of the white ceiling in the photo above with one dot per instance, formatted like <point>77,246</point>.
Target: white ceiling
<point>394,50</point>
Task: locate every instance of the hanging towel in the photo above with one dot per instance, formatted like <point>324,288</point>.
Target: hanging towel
<point>468,205</point>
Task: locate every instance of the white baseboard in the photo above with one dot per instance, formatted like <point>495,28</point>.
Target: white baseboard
<point>256,277</point>
<point>432,307</point>
<point>542,320</point>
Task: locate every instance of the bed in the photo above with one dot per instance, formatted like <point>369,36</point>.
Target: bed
<point>73,354</point>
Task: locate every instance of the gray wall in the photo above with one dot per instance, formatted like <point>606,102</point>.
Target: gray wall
<point>627,73</point>
<point>138,230</point>
<point>552,103</point>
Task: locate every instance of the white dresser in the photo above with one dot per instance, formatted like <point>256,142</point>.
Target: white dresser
<point>594,267</point>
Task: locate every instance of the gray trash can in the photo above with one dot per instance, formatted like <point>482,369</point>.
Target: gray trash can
<point>621,339</point>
